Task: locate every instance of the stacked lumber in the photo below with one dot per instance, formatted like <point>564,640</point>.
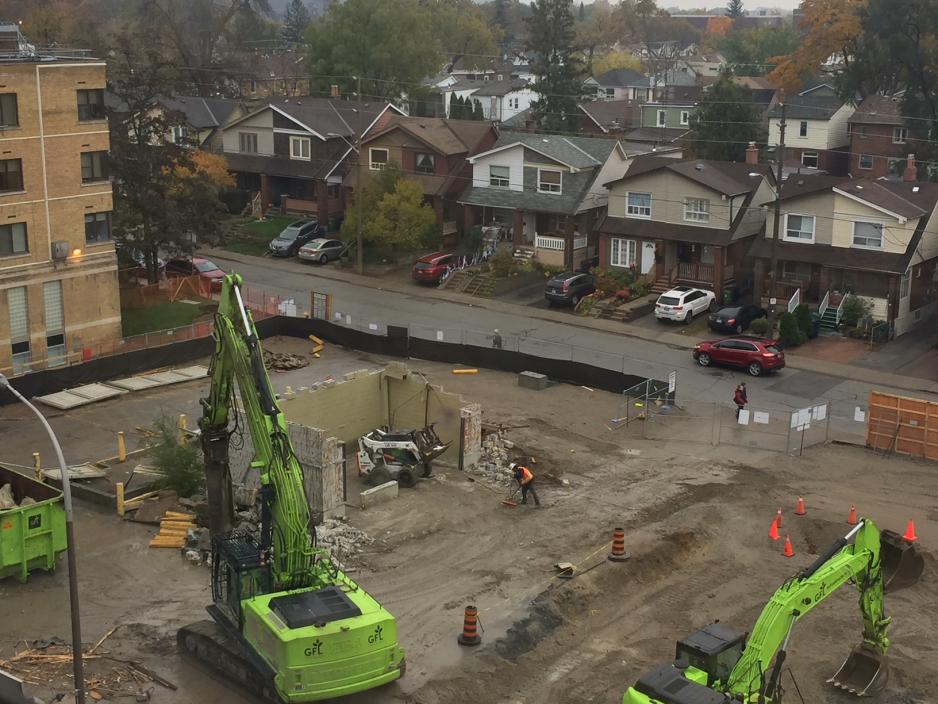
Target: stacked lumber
<point>174,527</point>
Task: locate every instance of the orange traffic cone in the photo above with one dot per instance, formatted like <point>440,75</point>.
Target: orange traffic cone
<point>852,518</point>
<point>470,627</point>
<point>773,531</point>
<point>799,507</point>
<point>778,518</point>
<point>788,549</point>
<point>618,553</point>
<point>910,532</point>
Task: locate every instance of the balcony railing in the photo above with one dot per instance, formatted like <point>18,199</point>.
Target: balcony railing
<point>548,242</point>
<point>695,272</point>
<point>580,242</point>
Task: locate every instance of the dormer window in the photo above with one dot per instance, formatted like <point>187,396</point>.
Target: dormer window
<point>548,181</point>
<point>424,164</point>
<point>378,159</point>
<point>498,176</point>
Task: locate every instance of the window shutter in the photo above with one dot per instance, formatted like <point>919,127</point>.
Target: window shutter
<point>52,296</point>
<point>19,315</point>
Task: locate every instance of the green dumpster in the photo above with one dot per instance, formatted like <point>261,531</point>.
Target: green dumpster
<point>32,536</point>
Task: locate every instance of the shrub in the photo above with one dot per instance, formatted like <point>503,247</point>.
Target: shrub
<point>789,332</point>
<point>803,318</point>
<point>854,309</point>
<point>759,326</point>
<point>502,262</point>
<point>608,281</point>
<point>180,466</point>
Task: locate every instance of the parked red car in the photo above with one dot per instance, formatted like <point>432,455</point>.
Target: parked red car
<point>429,269</point>
<point>196,266</point>
<point>754,354</point>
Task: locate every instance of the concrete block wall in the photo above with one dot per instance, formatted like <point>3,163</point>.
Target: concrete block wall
<point>346,409</point>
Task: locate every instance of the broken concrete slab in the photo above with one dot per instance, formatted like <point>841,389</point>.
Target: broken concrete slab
<point>80,396</point>
<point>96,392</point>
<point>134,383</point>
<point>80,471</point>
<point>63,400</point>
<point>379,494</point>
<point>167,378</point>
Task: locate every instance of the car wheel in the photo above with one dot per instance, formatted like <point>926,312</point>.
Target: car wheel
<point>689,317</point>
<point>754,369</point>
<point>703,359</point>
<point>575,300</point>
<point>739,329</point>
<point>324,259</point>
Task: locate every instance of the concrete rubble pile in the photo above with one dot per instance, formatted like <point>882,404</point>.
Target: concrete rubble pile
<point>284,361</point>
<point>493,463</point>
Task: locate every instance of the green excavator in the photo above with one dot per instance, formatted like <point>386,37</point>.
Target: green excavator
<point>287,624</point>
<point>719,665</point>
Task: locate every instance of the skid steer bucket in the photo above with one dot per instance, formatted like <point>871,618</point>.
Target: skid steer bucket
<point>902,565</point>
<point>864,672</point>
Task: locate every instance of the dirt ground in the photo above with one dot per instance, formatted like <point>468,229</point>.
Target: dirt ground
<point>696,520</point>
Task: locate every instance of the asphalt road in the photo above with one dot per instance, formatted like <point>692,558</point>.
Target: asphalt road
<point>373,309</point>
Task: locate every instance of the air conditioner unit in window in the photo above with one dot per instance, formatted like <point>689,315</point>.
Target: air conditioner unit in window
<point>60,251</point>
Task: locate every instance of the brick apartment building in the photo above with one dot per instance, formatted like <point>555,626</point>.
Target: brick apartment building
<point>58,270</point>
<point>881,138</point>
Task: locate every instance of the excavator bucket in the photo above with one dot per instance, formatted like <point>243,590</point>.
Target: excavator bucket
<point>864,672</point>
<point>902,565</point>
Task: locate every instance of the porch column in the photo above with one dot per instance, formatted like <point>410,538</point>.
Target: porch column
<point>322,201</point>
<point>718,254</point>
<point>517,228</point>
<point>892,300</point>
<point>469,217</point>
<point>265,191</point>
<point>568,230</point>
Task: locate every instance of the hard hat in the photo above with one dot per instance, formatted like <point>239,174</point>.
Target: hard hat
<point>513,465</point>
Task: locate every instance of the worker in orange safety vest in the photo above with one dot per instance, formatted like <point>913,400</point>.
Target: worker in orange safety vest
<point>525,479</point>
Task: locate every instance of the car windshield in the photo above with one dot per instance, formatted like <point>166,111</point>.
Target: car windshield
<point>205,267</point>
<point>772,348</point>
<point>668,300</point>
<point>289,234</point>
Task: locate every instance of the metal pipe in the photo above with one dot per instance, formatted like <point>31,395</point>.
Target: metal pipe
<point>77,664</point>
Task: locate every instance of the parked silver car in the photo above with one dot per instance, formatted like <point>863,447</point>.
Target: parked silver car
<point>322,250</point>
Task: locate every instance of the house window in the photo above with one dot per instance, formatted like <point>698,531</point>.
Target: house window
<point>638,205</point>
<point>425,164</point>
<point>610,93</point>
<point>332,190</point>
<point>485,77</point>
<point>622,252</point>
<point>498,176</point>
<point>247,142</point>
<point>94,167</point>
<point>685,117</point>
<point>899,135</point>
<point>866,161</point>
<point>662,118</point>
<point>253,86</point>
<point>180,134</point>
<point>868,235</point>
<point>803,129</point>
<point>904,283</point>
<point>548,181</point>
<point>13,239</point>
<point>299,148</point>
<point>895,166</point>
<point>55,323</point>
<point>9,115</point>
<point>97,227</point>
<point>19,328</point>
<point>378,159</point>
<point>91,105</point>
<point>697,209</point>
<point>809,160</point>
<point>799,228</point>
<point>11,175</point>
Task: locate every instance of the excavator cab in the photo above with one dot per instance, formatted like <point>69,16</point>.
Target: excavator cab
<point>714,649</point>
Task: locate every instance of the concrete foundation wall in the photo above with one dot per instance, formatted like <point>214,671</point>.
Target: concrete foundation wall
<point>414,404</point>
<point>346,410</point>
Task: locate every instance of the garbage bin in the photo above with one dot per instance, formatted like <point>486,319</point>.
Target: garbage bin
<point>729,295</point>
<point>815,325</point>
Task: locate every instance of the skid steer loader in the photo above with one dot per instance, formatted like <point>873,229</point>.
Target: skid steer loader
<point>401,455</point>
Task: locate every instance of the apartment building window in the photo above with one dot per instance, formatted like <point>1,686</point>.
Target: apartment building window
<point>803,129</point>
<point>662,118</point>
<point>425,163</point>
<point>548,181</point>
<point>900,135</point>
<point>91,105</point>
<point>866,161</point>
<point>55,323</point>
<point>638,205</point>
<point>9,113</point>
<point>11,175</point>
<point>868,235</point>
<point>247,142</point>
<point>685,117</point>
<point>299,148</point>
<point>19,328</point>
<point>809,160</point>
<point>498,176</point>
<point>697,209</point>
<point>13,239</point>
<point>623,253</point>
<point>97,227</point>
<point>378,158</point>
<point>799,228</point>
<point>94,167</point>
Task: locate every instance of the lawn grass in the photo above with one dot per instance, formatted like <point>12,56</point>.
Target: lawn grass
<point>257,234</point>
<point>136,321</point>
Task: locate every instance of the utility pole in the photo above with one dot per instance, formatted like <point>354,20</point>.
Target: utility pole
<point>780,161</point>
<point>359,244</point>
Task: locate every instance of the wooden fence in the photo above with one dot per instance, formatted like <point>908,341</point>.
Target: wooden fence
<point>906,426</point>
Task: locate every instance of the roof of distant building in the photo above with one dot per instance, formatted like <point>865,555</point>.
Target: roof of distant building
<point>444,135</point>
<point>622,78</point>
<point>201,112</point>
<point>610,114</point>
<point>728,177</point>
<point>878,110</point>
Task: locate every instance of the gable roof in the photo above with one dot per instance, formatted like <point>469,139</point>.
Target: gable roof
<point>796,186</point>
<point>811,105</point>
<point>657,135</point>
<point>324,116</point>
<point>877,110</point>
<point>621,78</point>
<point>444,135</point>
<point>200,112</point>
<point>610,114</point>
<point>727,177</point>
<point>486,88</point>
<point>574,152</point>
<point>889,197</point>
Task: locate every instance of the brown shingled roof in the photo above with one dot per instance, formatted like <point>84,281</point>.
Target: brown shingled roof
<point>877,110</point>
<point>444,135</point>
<point>730,178</point>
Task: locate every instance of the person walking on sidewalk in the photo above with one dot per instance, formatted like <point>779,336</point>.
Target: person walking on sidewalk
<point>740,398</point>
<point>496,340</point>
<point>525,479</point>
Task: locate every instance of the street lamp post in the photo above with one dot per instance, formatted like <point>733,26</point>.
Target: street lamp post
<point>77,665</point>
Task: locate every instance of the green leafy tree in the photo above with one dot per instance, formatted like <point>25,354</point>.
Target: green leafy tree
<point>734,8</point>
<point>616,59</point>
<point>401,219</point>
<point>789,332</point>
<point>751,52</point>
<point>453,106</point>
<point>462,31</point>
<point>557,68</point>
<point>581,13</point>
<point>725,121</point>
<point>602,30</point>
<point>180,465</point>
<point>296,19</point>
<point>477,112</point>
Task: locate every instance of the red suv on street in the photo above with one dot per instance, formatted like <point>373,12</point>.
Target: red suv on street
<point>429,269</point>
<point>754,354</point>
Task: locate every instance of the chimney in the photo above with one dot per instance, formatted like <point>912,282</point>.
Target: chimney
<point>752,153</point>
<point>334,92</point>
<point>910,173</point>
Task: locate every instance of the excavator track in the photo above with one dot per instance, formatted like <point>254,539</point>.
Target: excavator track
<point>209,644</point>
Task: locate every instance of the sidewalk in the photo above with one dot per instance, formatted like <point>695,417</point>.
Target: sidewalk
<point>878,377</point>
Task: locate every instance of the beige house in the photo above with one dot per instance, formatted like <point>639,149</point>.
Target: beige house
<point>875,239</point>
<point>685,221</point>
<point>58,271</point>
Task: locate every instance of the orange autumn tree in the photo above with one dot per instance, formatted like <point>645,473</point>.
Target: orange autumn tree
<point>209,167</point>
<point>719,26</point>
<point>833,27</point>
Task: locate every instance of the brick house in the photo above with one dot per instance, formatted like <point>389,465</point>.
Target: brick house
<point>816,136</point>
<point>879,138</point>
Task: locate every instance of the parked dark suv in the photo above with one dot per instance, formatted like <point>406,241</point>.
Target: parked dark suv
<point>294,236</point>
<point>735,318</point>
<point>568,288</point>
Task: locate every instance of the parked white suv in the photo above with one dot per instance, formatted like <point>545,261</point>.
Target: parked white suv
<point>682,303</point>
